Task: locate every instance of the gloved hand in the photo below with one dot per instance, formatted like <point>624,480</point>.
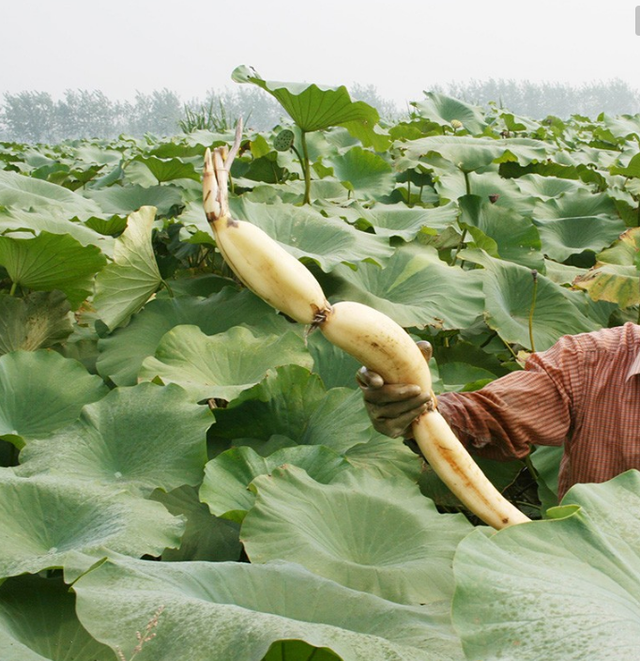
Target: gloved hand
<point>392,407</point>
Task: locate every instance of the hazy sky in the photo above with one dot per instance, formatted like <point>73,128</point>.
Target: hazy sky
<point>402,47</point>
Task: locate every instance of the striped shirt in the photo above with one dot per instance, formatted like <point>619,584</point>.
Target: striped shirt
<point>582,393</point>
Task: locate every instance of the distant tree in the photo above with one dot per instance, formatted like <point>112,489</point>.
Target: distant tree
<point>85,114</point>
<point>29,117</point>
<point>369,94</point>
<point>538,100</point>
<point>157,113</point>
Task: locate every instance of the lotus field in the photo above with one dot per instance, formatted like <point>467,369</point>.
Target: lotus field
<point>188,474</point>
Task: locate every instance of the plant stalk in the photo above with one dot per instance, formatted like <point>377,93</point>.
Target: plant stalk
<point>307,173</point>
<point>534,275</point>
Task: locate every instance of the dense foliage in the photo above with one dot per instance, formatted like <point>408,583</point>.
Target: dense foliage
<point>180,460</point>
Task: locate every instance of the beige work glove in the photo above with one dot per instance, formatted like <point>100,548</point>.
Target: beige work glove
<point>392,407</point>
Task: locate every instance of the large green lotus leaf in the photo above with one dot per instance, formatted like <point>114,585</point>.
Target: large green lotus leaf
<point>509,287</point>
<point>125,285</point>
<point>545,188</point>
<point>206,537</point>
<point>566,589</point>
<point>374,535</point>
<point>631,169</point>
<point>415,288</point>
<point>39,320</point>
<point>223,365</point>
<point>139,438</point>
<point>44,520</point>
<point>127,199</point>
<point>26,193</point>
<point>168,169</point>
<point>315,108</point>
<point>384,458</point>
<point>516,239</point>
<point>225,487</point>
<point>564,237</point>
<point>122,352</point>
<point>580,203</point>
<point>363,172</point>
<point>406,222</point>
<point>444,109</point>
<point>293,403</point>
<point>336,367</point>
<point>54,222</point>
<point>52,261</point>
<point>616,274</point>
<point>623,126</point>
<point>38,622</point>
<point>237,611</point>
<point>27,377</point>
<point>471,154</point>
<point>306,233</point>
<point>504,193</point>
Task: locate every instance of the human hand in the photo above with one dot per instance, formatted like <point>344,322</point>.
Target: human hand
<point>392,407</point>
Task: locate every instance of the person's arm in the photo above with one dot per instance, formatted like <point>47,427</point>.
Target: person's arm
<point>502,419</point>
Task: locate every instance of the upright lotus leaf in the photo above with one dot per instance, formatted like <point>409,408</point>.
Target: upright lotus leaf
<point>21,192</point>
<point>141,438</point>
<point>38,320</point>
<point>27,378</point>
<point>124,286</point>
<point>223,365</point>
<point>51,261</point>
<point>374,535</point>
<point>516,239</point>
<point>406,222</point>
<point>44,520</point>
<point>122,352</point>
<point>444,109</point>
<point>292,402</point>
<point>225,488</point>
<point>124,200</point>
<point>567,588</point>
<point>168,169</point>
<point>38,622</point>
<point>206,537</point>
<point>238,610</point>
<point>364,173</point>
<point>415,288</point>
<point>616,275</point>
<point>306,233</point>
<point>546,462</point>
<point>470,154</point>
<point>509,291</point>
<point>563,237</point>
<point>315,108</point>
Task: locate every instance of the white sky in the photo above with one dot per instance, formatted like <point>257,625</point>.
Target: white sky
<point>402,47</point>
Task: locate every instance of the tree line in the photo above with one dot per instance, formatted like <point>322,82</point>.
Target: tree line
<point>36,117</point>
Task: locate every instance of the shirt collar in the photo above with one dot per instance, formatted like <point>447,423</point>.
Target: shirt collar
<point>634,370</point>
